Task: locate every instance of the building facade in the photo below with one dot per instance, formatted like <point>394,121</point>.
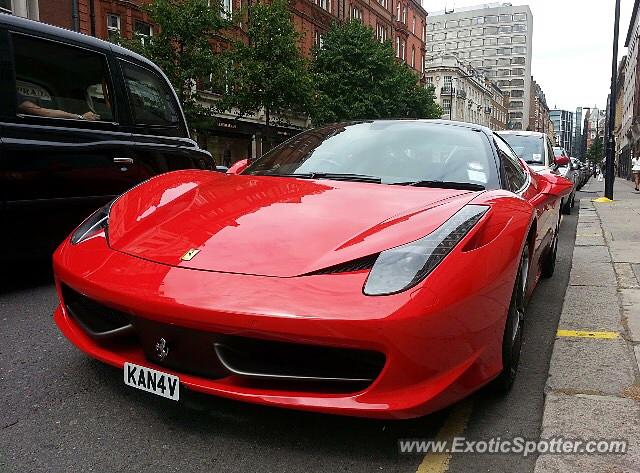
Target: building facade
<point>563,126</point>
<point>630,128</point>
<point>465,94</point>
<point>496,39</point>
<point>401,22</point>
<point>539,119</point>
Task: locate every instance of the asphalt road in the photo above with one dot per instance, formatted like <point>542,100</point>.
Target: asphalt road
<point>62,412</point>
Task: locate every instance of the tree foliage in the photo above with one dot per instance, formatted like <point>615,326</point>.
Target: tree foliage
<point>596,151</point>
<point>180,46</point>
<point>356,77</point>
<point>268,73</point>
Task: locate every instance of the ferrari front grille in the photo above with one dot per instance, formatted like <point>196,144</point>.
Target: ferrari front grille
<point>98,320</point>
<point>284,361</point>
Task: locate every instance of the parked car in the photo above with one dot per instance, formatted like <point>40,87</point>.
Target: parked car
<point>81,121</point>
<point>582,171</point>
<point>374,268</point>
<point>536,150</point>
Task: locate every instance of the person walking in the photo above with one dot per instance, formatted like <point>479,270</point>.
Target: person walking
<point>635,169</point>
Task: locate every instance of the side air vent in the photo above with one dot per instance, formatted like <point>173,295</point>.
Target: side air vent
<point>360,264</point>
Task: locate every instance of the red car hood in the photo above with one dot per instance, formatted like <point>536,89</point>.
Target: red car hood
<point>271,226</point>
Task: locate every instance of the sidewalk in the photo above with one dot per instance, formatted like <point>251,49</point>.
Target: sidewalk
<point>593,388</point>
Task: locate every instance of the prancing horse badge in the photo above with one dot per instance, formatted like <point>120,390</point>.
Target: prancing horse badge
<point>189,255</point>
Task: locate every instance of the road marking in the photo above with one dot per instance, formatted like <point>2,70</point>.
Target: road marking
<point>585,334</point>
<point>454,426</point>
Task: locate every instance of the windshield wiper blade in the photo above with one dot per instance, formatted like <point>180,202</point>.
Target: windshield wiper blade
<point>444,185</point>
<point>331,175</point>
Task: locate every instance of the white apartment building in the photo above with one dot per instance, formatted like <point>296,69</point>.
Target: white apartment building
<point>465,94</point>
<point>630,132</point>
<point>494,38</point>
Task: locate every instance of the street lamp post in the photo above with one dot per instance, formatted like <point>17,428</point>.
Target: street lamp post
<point>609,177</point>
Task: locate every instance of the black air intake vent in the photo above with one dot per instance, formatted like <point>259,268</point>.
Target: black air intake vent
<point>360,264</point>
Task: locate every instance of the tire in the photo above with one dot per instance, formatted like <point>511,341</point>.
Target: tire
<point>549,262</point>
<point>514,326</point>
<point>573,200</point>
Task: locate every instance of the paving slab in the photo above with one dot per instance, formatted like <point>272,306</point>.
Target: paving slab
<point>626,275</point>
<point>583,365</point>
<point>585,255</point>
<point>591,308</point>
<point>591,418</point>
<point>590,240</point>
<point>625,251</point>
<point>631,312</point>
<point>593,274</point>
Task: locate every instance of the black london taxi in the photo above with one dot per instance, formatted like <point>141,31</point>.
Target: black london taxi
<point>81,121</point>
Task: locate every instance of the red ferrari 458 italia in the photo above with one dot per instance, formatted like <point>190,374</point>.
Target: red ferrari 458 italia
<point>374,268</point>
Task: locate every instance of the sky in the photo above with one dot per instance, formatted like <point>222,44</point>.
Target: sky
<point>572,46</point>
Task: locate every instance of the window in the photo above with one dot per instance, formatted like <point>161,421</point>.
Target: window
<point>356,14</point>
<point>49,85</point>
<point>404,14</point>
<point>477,42</point>
<point>504,18</point>
<point>152,103</point>
<point>504,61</point>
<point>491,30</point>
<point>491,19</point>
<point>519,39</point>
<point>517,83</point>
<point>401,47</point>
<point>439,37</point>
<point>504,51</point>
<point>318,39</point>
<point>476,53</point>
<point>517,71</point>
<point>429,26</point>
<point>478,20</point>
<point>413,56</point>
<point>504,40</point>
<point>519,17</point>
<point>446,106</point>
<point>476,32</point>
<point>413,24</point>
<point>489,63</point>
<point>504,29</point>
<point>520,50</point>
<point>143,31</point>
<point>429,38</point>
<point>464,44</point>
<point>517,93</point>
<point>463,34</point>
<point>398,11</point>
<point>227,8</point>
<point>476,64</point>
<point>490,41</point>
<point>514,175</point>
<point>438,47</point>
<point>324,4</point>
<point>516,105</point>
<point>429,81</point>
<point>504,72</point>
<point>383,3</point>
<point>519,28</point>
<point>518,60</point>
<point>515,115</point>
<point>451,24</point>
<point>490,52</point>
<point>113,26</point>
<point>381,32</point>
<point>464,22</point>
<point>450,46</point>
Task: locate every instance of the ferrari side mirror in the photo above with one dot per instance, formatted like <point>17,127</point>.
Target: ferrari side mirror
<point>238,166</point>
<point>561,160</point>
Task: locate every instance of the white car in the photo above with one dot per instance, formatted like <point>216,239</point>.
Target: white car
<point>536,150</point>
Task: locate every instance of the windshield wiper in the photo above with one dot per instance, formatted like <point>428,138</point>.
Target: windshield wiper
<point>332,175</point>
<point>444,185</point>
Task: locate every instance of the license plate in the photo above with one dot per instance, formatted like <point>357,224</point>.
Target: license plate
<point>153,381</point>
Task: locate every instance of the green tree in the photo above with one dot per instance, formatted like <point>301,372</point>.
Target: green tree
<point>268,73</point>
<point>355,77</point>
<point>181,48</point>
<point>595,154</point>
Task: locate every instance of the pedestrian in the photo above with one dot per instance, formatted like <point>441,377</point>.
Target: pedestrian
<point>635,169</point>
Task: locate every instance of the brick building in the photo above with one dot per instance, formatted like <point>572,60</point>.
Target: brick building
<point>402,22</point>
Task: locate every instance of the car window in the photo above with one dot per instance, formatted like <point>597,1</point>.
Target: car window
<point>528,147</point>
<point>550,154</point>
<point>55,80</point>
<point>394,151</point>
<point>515,175</point>
<point>152,102</point>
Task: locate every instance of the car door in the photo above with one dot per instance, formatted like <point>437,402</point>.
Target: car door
<point>64,152</point>
<point>158,125</point>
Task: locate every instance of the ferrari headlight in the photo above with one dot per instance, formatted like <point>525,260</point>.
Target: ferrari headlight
<point>96,222</point>
<point>402,267</point>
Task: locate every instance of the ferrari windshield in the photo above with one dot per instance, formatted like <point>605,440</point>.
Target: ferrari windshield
<point>388,152</point>
<point>528,147</point>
